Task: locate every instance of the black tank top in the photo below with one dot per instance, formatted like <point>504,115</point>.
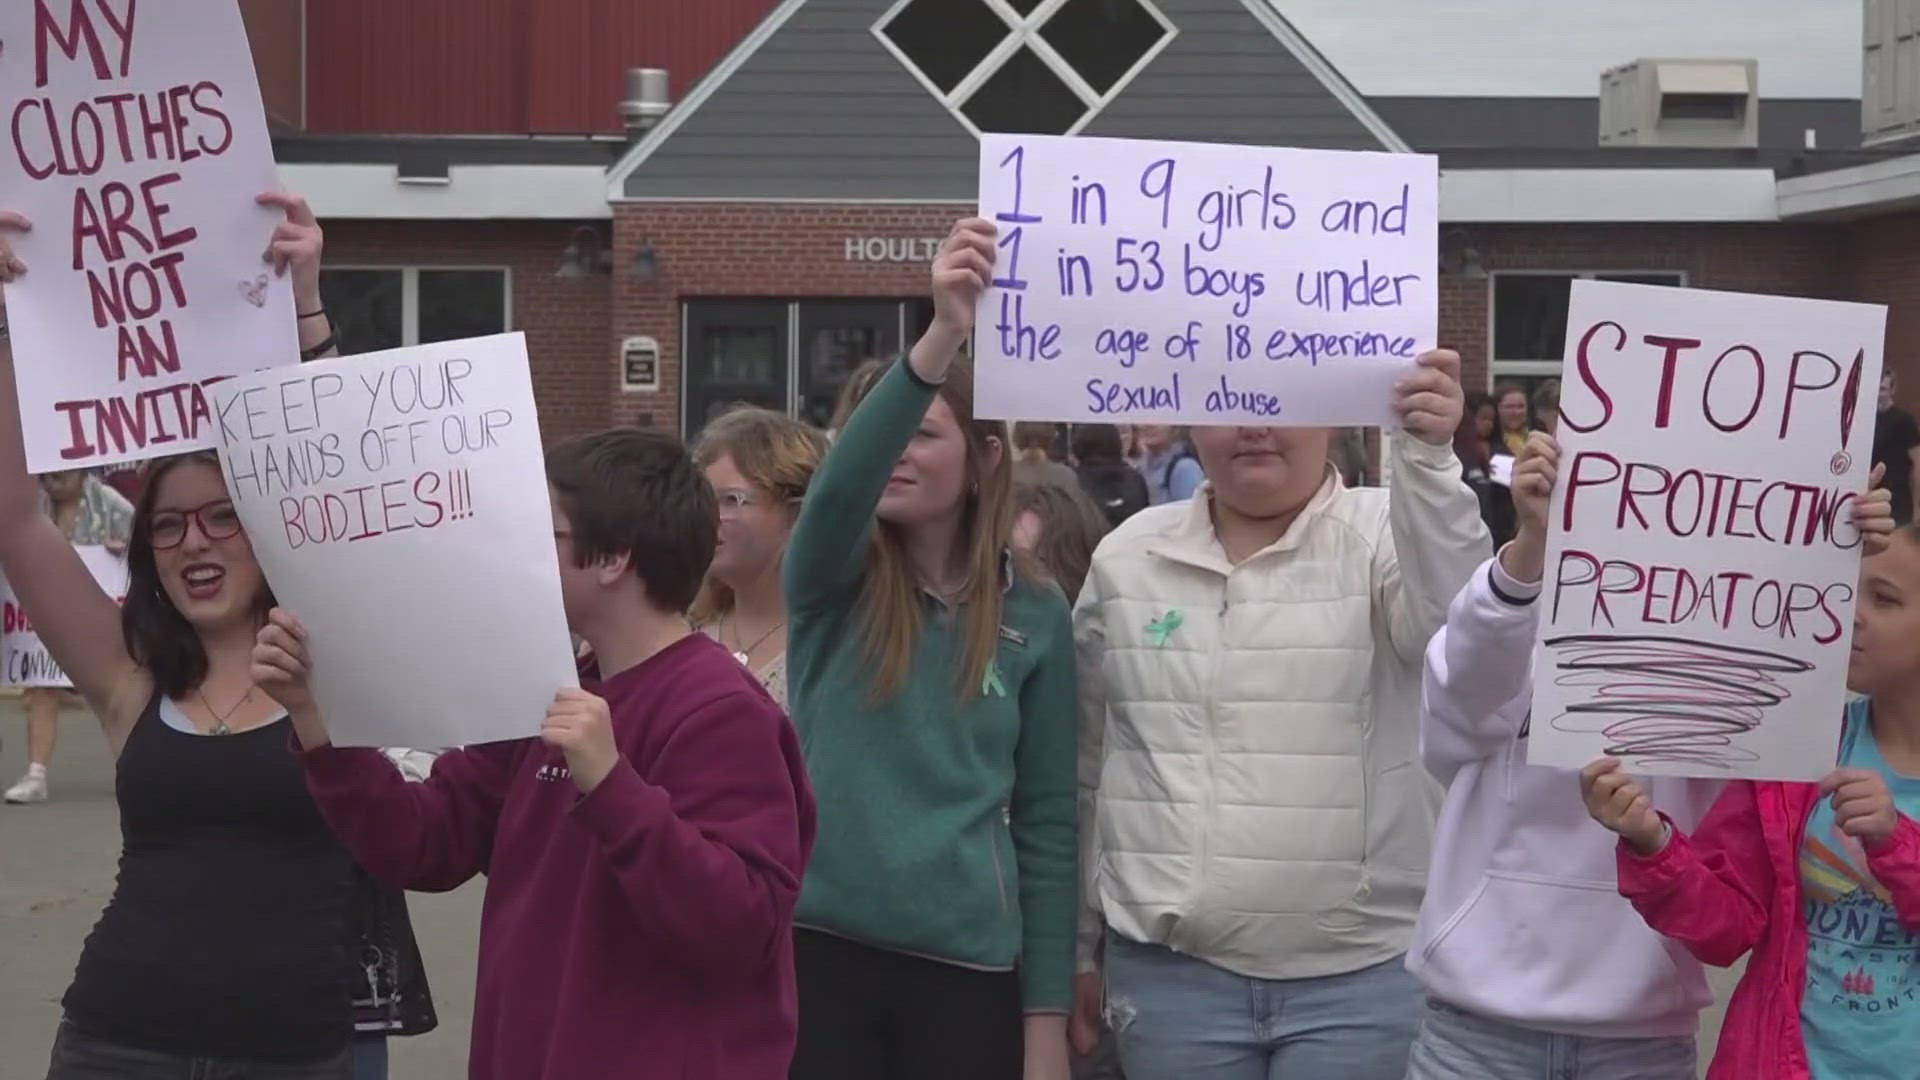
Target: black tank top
<point>228,929</point>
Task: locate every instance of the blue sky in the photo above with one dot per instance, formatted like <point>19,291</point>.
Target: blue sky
<point>1806,48</point>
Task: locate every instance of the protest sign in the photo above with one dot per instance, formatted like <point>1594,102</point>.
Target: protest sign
<point>1197,283</point>
<point>24,661</point>
<point>136,146</point>
<point>398,504</point>
<point>1702,558</point>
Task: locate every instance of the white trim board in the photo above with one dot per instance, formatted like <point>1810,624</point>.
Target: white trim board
<point>1860,191</point>
<point>1263,10</point>
<point>553,192</point>
<point>1616,196</point>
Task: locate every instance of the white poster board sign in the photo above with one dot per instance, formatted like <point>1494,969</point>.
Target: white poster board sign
<point>1702,560</point>
<point>137,145</point>
<point>398,504</point>
<point>1198,283</point>
<point>24,661</point>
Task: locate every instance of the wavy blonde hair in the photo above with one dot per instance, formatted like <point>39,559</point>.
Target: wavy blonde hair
<point>891,600</point>
<point>773,452</point>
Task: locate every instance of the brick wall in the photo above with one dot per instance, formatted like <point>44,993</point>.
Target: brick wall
<point>743,250</point>
<point>1779,259</point>
<point>575,377</point>
<point>795,250</point>
<point>1882,262</point>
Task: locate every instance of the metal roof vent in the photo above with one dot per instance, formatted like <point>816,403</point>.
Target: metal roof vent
<point>649,96</point>
<point>1681,103</point>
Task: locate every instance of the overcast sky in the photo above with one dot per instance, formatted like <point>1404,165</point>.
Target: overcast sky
<point>1806,48</point>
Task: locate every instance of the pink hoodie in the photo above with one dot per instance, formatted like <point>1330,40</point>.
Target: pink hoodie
<point>1735,886</point>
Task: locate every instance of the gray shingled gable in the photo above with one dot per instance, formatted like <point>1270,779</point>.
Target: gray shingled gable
<point>822,110</point>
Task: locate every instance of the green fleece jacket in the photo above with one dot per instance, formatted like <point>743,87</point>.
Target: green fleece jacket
<point>946,825</point>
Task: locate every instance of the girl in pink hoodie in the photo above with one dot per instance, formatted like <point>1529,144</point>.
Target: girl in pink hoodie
<point>1820,882</point>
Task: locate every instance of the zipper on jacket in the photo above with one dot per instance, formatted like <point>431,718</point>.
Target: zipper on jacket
<point>999,875</point>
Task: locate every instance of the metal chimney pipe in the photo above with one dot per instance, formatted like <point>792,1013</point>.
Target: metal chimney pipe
<point>649,97</point>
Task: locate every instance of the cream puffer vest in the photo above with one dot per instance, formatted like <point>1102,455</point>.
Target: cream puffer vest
<point>1250,780</point>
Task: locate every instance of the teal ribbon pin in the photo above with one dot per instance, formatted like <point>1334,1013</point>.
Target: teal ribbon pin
<point>1162,628</point>
<point>991,686</point>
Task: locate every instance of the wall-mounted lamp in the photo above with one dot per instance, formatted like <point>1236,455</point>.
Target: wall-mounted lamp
<point>585,255</point>
<point>646,262</point>
<point>1458,256</point>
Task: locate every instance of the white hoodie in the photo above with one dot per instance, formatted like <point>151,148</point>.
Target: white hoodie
<point>1523,921</point>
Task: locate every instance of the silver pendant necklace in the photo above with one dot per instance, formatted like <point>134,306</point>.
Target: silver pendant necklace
<point>219,719</point>
<point>745,655</point>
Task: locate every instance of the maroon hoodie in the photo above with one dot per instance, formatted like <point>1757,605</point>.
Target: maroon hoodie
<point>640,931</point>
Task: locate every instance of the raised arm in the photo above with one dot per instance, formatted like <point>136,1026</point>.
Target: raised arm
<point>295,249</point>
<point>77,621</point>
<point>828,549</point>
<point>1435,538</point>
<point>1477,685</point>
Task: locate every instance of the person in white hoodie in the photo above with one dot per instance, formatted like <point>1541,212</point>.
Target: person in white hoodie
<point>1254,818</point>
<point>1534,966</point>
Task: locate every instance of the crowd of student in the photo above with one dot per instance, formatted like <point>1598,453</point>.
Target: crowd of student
<point>905,751</point>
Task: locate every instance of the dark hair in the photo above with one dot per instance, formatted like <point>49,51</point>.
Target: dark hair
<point>155,634</point>
<point>1466,438</point>
<point>1095,443</point>
<point>637,493</point>
<point>1034,435</point>
<point>1070,528</point>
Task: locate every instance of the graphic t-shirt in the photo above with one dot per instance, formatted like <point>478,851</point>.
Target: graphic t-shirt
<point>1862,998</point>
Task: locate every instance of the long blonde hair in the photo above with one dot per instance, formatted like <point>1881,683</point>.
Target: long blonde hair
<point>772,451</point>
<point>891,591</point>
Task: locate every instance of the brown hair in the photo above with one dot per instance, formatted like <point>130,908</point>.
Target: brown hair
<point>891,590</point>
<point>1070,528</point>
<point>774,452</point>
<point>636,493</point>
<point>1035,436</point>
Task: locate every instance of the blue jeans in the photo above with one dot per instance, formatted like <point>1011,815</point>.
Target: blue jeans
<point>369,1053</point>
<point>1178,1018</point>
<point>79,1056</point>
<point>1457,1045</point>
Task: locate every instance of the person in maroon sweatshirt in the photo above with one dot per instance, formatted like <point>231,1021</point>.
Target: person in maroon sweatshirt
<point>644,854</point>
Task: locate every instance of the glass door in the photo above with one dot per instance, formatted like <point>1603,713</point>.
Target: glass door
<point>837,336</point>
<point>736,354</point>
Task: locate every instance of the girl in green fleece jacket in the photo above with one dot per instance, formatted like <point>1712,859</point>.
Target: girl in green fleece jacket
<point>931,679</point>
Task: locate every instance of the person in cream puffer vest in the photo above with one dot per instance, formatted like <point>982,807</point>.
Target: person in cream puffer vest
<point>1255,820</point>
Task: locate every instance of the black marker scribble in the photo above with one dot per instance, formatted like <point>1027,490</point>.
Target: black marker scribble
<point>1670,700</point>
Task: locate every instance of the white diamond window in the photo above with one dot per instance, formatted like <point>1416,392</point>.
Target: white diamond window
<point>1024,66</point>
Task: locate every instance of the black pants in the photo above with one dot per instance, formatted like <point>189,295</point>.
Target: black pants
<point>870,1014</point>
<point>78,1056</point>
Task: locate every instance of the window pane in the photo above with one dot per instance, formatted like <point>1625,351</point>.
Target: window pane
<point>736,354</point>
<point>835,338</point>
<point>1024,97</point>
<point>365,307</point>
<point>458,304</point>
<point>1101,40</point>
<point>1530,316</point>
<point>945,39</point>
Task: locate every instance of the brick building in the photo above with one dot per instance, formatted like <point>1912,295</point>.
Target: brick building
<point>773,228</point>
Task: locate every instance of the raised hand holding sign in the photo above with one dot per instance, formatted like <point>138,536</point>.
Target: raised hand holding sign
<point>138,140</point>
